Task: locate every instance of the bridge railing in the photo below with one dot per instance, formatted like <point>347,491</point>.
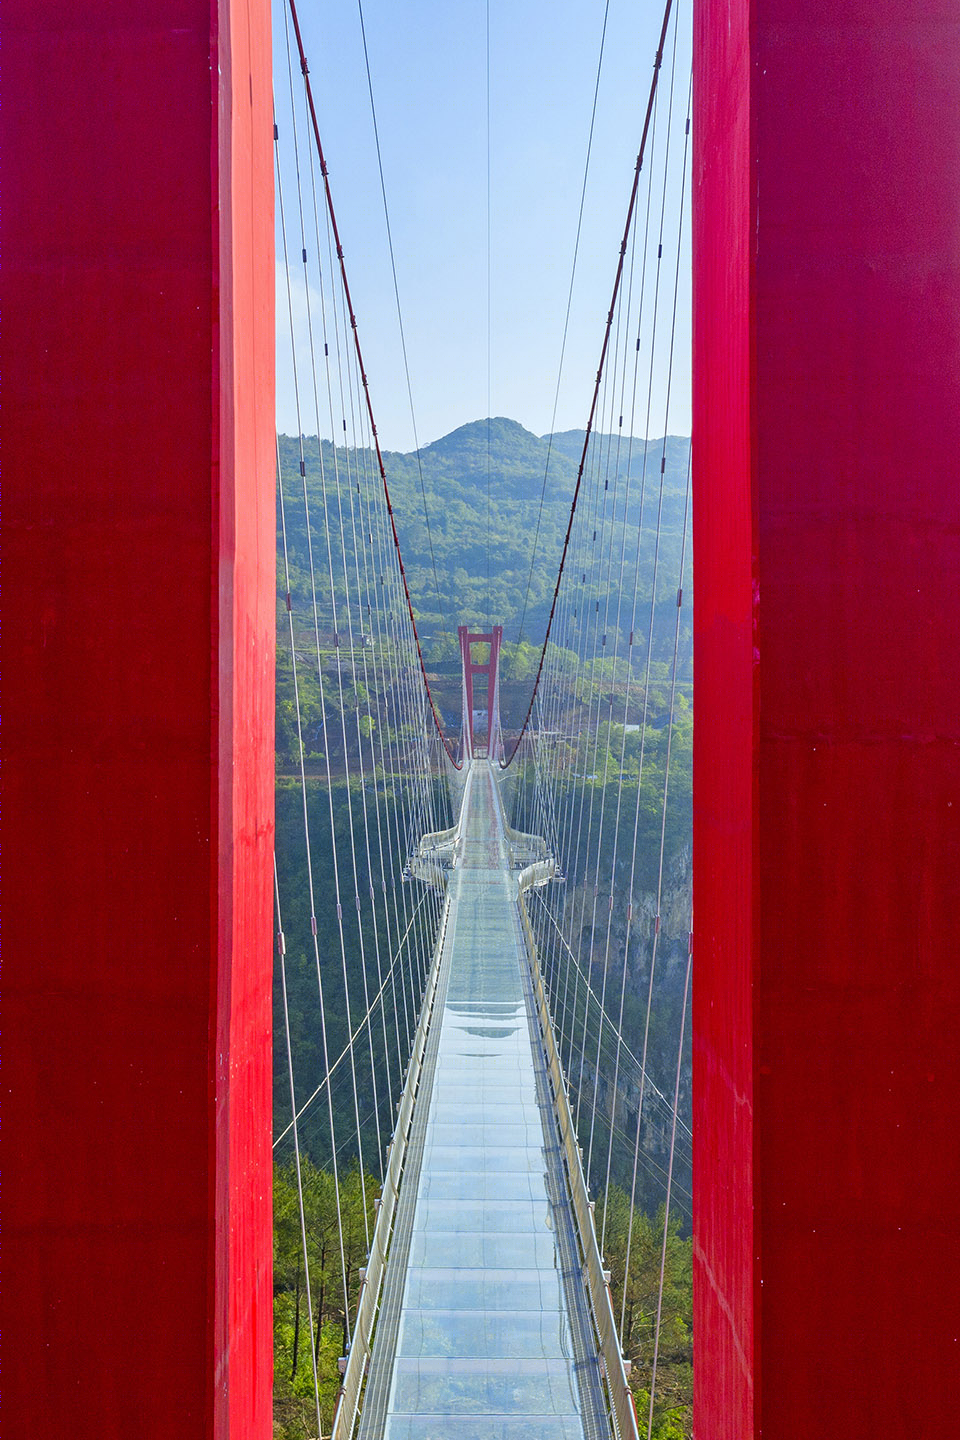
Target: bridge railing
<point>435,856</point>
<point>348,1401</point>
<point>439,839</point>
<point>597,1278</point>
<point>539,872</point>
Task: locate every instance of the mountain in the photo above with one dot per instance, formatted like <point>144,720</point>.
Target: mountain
<point>480,488</point>
<point>517,458</point>
<point>483,485</point>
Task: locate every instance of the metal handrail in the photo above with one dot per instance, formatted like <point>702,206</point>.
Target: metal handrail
<point>624,1412</point>
<point>348,1400</point>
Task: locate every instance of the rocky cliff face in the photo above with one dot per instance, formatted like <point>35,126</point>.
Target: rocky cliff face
<point>615,1080</point>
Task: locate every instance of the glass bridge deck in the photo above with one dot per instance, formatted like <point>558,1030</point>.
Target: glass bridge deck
<point>481,1344</point>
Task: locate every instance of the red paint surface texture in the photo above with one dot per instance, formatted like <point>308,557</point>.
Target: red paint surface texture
<point>827,758</point>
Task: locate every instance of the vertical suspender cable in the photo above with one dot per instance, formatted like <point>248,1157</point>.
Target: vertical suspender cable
<point>666,1208</point>
<point>320,681</point>
<point>603,355</point>
<point>396,292</point>
<point>489,324</point>
<point>282,951</point>
<point>566,319</point>
<point>363,376</point>
<point>666,778</point>
<point>310,889</point>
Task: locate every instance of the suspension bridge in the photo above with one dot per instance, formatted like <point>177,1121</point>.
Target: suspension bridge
<point>480,913</point>
<point>485,1305</point>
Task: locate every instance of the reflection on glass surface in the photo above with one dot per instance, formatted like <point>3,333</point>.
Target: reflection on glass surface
<point>463,1427</point>
<point>423,1389</point>
<point>498,1251</point>
<point>493,1217</point>
<point>480,1185</point>
<point>485,1089</point>
<point>479,1289</point>
<point>517,1334</point>
<point>483,1350</point>
<point>501,1158</point>
<point>510,1131</point>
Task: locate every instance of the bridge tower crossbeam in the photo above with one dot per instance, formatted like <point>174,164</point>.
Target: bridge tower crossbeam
<point>473,746</point>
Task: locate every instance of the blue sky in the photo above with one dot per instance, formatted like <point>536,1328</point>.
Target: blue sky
<point>429,75</point>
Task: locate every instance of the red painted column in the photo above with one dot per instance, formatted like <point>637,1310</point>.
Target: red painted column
<point>463,635</point>
<point>489,668</point>
<point>827,753</point>
<point>138,648</point>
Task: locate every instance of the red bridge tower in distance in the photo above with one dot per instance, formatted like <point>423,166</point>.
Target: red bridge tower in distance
<point>481,728</point>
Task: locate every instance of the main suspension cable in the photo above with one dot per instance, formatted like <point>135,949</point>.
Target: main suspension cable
<point>450,749</point>
<point>403,338</point>
<point>658,60</point>
<point>566,321</point>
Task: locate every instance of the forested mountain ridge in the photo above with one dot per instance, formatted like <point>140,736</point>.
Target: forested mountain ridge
<point>482,484</point>
<point>455,480</point>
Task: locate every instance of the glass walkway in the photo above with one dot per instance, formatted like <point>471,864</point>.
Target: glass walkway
<point>484,1327</point>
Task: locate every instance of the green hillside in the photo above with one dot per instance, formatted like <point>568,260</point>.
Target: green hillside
<point>483,485</point>
<point>494,493</point>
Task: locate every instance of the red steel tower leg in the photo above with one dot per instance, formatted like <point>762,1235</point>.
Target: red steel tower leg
<point>827,755</point>
<point>490,669</point>
<point>139,659</point>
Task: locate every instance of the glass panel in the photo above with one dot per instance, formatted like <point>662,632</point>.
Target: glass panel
<point>508,1133</point>
<point>524,1251</point>
<point>493,1427</point>
<point>475,1289</point>
<point>514,1333</point>
<point>473,1185</point>
<point>477,1063</point>
<point>501,1158</point>
<point>484,1349</point>
<point>493,1216</point>
<point>489,1088</point>
<point>420,1390</point>
<point>509,1106</point>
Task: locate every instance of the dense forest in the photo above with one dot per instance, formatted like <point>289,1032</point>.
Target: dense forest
<point>399,911</point>
<point>590,906</point>
<point>298,1348</point>
<point>471,511</point>
<point>477,505</point>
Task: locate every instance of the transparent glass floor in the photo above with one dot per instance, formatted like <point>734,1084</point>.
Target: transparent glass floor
<point>484,1345</point>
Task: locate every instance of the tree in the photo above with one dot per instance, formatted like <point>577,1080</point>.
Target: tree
<point>673,1406</point>
<point>323,1295</point>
